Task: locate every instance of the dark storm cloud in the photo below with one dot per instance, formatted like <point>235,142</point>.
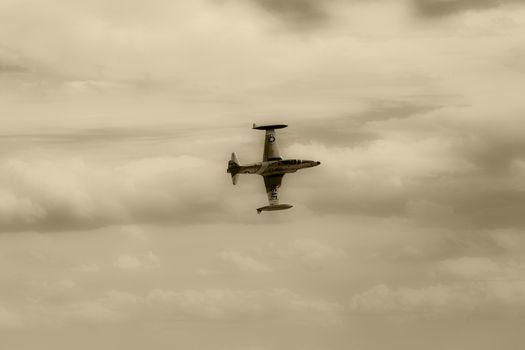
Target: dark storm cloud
<point>313,12</point>
<point>351,130</point>
<point>444,202</point>
<point>11,68</point>
<point>11,63</point>
<point>438,8</point>
<point>472,201</point>
<point>432,163</point>
<point>301,12</point>
<point>496,156</point>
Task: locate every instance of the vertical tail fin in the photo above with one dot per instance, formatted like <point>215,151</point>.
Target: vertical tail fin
<point>234,158</point>
<point>233,168</point>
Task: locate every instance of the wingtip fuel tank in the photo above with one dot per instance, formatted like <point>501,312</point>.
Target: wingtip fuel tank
<point>274,207</point>
<point>269,126</point>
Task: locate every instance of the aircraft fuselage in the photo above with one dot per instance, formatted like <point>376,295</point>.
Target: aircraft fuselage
<point>274,167</point>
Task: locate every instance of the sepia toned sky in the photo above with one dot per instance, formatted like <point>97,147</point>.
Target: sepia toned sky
<point>120,228</point>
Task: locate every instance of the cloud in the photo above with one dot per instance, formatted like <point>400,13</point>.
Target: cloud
<point>312,13</point>
<point>8,319</point>
<point>480,268</point>
<point>304,250</point>
<point>97,44</point>
<point>375,178</point>
<point>433,165</point>
<point>49,290</point>
<point>6,67</point>
<point>126,115</point>
<point>15,209</point>
<point>510,240</point>
<point>243,262</point>
<point>433,162</point>
<point>353,128</point>
<point>506,298</point>
<point>297,12</point>
<point>275,257</point>
<point>235,305</point>
<point>129,262</point>
<point>86,311</point>
<point>86,268</point>
<point>167,306</point>
<point>55,195</point>
<point>11,63</point>
<point>470,267</point>
<point>439,8</point>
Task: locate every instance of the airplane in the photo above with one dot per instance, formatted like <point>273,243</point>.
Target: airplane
<point>272,168</point>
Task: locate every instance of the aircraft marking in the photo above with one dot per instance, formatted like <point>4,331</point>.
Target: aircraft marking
<point>273,193</point>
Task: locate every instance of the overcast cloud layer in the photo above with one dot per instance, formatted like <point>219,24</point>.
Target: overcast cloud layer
<point>119,227</point>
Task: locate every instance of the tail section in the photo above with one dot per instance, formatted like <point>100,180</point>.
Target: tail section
<point>233,168</point>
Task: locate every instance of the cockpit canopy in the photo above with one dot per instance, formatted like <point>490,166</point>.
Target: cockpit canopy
<point>291,161</point>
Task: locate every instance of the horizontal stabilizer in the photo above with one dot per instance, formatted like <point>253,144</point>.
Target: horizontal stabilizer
<point>274,207</point>
<point>269,126</point>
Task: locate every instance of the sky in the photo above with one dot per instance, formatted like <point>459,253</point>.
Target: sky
<point>120,228</point>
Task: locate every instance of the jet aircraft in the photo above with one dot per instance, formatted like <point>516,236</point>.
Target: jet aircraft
<point>272,168</point>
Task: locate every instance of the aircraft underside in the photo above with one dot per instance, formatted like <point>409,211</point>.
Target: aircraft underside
<point>272,168</point>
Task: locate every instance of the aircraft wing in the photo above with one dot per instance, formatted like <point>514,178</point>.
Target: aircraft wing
<point>272,184</point>
<point>271,151</point>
